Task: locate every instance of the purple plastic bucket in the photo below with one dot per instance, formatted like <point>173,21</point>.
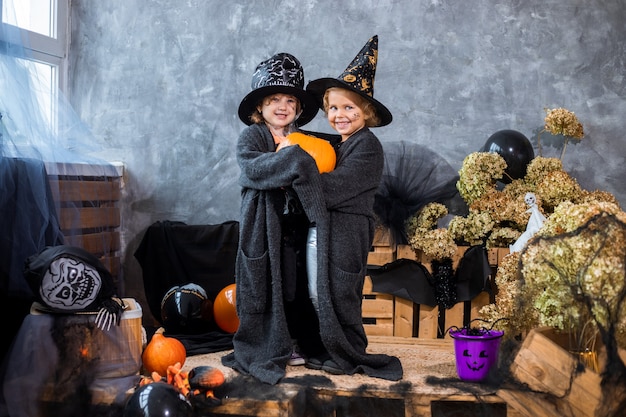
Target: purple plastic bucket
<point>475,354</point>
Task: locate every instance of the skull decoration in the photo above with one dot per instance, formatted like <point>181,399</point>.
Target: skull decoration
<point>67,278</point>
<point>530,199</point>
<point>69,284</point>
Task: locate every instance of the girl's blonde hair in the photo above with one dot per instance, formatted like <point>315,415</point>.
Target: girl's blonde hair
<point>369,111</point>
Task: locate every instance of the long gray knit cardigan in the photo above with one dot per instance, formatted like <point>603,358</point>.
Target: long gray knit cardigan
<point>340,203</point>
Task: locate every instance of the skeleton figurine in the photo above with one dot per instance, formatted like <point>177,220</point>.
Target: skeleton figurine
<point>534,223</point>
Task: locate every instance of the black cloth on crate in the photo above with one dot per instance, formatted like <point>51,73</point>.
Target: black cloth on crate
<point>28,223</point>
<point>174,253</point>
<point>28,220</point>
<point>409,279</point>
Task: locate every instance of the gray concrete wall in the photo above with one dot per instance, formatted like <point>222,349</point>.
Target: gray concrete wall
<point>159,83</point>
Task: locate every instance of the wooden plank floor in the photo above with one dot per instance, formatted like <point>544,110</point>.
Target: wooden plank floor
<point>430,388</point>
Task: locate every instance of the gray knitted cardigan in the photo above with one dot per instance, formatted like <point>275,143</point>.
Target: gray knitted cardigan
<point>340,203</point>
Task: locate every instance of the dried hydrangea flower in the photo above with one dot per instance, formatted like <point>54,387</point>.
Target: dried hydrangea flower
<point>573,269</point>
<point>598,196</point>
<point>502,237</point>
<point>561,121</point>
<point>509,302</point>
<point>538,168</point>
<point>473,229</point>
<point>426,218</point>
<point>430,214</point>
<point>568,216</point>
<point>557,187</point>
<point>518,187</point>
<point>436,244</point>
<point>503,208</point>
<point>478,174</point>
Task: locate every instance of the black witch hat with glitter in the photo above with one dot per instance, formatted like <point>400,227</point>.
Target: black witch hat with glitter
<point>358,77</point>
<point>282,73</point>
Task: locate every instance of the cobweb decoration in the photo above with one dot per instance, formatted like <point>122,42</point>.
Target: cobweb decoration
<point>42,142</point>
<point>35,143</point>
<point>588,263</point>
<point>413,176</point>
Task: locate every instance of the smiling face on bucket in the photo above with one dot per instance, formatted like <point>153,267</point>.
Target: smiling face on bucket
<point>344,110</point>
<point>279,110</point>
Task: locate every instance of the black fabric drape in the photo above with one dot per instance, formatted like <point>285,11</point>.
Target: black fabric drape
<point>174,253</point>
<point>28,220</point>
<point>28,223</point>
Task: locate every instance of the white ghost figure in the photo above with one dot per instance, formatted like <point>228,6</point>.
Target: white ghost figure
<point>534,223</point>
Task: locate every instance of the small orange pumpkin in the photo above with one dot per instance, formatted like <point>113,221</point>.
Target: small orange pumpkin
<point>162,352</point>
<point>321,150</point>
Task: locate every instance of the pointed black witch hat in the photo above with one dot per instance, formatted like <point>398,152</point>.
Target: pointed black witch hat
<point>358,77</point>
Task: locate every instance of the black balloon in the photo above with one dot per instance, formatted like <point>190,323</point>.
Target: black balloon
<point>183,310</point>
<point>157,399</point>
<point>516,150</point>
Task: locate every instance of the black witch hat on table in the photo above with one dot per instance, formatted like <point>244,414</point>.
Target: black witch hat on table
<point>358,77</point>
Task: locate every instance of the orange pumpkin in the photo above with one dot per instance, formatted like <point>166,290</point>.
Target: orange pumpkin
<point>321,150</point>
<point>161,352</point>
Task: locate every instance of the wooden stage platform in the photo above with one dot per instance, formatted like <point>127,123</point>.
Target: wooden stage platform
<point>430,388</point>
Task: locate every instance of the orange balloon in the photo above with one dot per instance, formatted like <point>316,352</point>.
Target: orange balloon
<point>225,310</point>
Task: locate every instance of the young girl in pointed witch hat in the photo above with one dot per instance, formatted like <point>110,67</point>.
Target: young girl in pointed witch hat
<point>348,191</point>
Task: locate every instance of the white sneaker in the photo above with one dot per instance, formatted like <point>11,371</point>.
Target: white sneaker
<point>296,359</point>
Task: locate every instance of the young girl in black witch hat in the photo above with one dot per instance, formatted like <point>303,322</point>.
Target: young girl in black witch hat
<point>272,299</point>
<point>348,192</point>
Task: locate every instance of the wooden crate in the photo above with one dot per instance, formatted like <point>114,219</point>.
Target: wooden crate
<point>385,314</point>
<point>383,249</point>
<point>288,403</point>
<point>545,365</point>
<point>378,311</point>
<point>88,198</point>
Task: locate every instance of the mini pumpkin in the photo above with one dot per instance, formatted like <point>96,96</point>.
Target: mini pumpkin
<point>321,150</point>
<point>162,352</point>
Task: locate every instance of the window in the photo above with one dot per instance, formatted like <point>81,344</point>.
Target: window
<point>33,15</point>
<point>42,29</point>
